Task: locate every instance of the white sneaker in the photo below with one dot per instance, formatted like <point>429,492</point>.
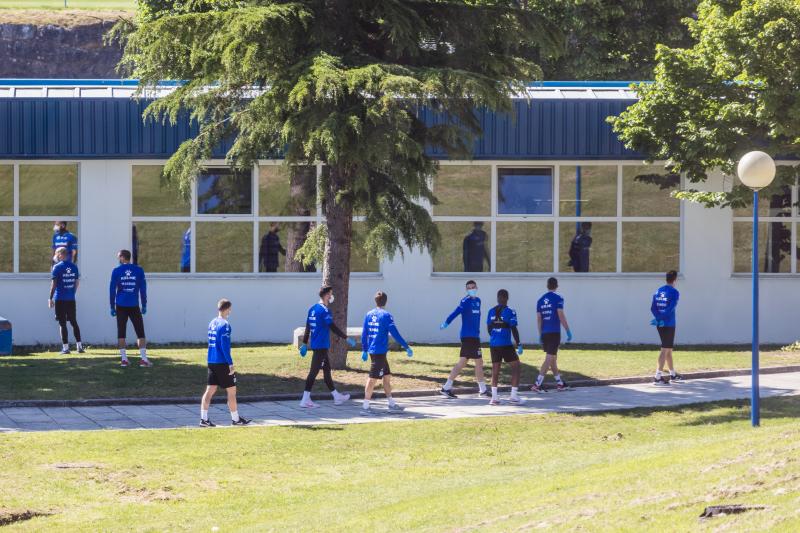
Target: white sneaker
<point>516,400</point>
<point>494,401</point>
<point>339,398</point>
<point>308,404</point>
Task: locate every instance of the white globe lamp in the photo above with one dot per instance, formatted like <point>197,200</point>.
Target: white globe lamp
<point>756,170</point>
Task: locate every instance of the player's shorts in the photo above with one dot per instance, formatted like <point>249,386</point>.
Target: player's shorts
<point>219,375</point>
<point>471,348</point>
<point>551,342</point>
<point>66,310</point>
<point>503,353</point>
<point>379,366</point>
<point>135,316</point>
<point>667,335</point>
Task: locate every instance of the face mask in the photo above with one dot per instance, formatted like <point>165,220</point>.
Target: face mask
<point>472,292</point>
<point>56,229</point>
<point>331,300</point>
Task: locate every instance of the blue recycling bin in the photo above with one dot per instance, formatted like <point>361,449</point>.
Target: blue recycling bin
<point>5,336</point>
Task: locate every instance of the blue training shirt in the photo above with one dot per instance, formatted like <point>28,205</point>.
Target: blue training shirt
<point>186,254</point>
<point>319,322</point>
<point>219,342</point>
<point>378,325</point>
<point>128,283</point>
<point>470,310</point>
<point>665,300</point>
<point>548,306</point>
<point>66,276</point>
<point>500,329</point>
<point>66,240</point>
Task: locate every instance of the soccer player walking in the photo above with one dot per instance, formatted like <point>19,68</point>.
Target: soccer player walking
<point>550,317</point>
<point>502,324</point>
<point>128,285</point>
<point>319,324</point>
<point>665,300</point>
<point>469,308</point>
<point>378,325</point>
<point>64,283</point>
<point>220,366</point>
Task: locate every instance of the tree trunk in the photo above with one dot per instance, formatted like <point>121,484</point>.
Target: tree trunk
<point>336,264</point>
<point>302,187</point>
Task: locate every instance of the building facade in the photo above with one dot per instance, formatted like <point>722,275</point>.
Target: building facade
<point>550,191</point>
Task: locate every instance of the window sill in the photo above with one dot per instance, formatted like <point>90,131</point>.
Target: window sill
<point>765,275</point>
<point>545,275</point>
<point>252,276</point>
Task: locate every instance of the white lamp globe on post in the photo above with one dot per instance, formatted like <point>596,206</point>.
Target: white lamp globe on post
<point>756,170</point>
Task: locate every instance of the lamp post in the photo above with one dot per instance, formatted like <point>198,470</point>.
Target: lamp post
<point>756,170</point>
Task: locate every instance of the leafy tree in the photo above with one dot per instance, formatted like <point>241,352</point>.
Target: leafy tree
<point>339,82</point>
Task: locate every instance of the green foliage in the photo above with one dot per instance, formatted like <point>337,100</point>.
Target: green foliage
<point>733,91</point>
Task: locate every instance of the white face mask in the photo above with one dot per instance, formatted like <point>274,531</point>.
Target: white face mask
<point>331,300</point>
<point>56,228</point>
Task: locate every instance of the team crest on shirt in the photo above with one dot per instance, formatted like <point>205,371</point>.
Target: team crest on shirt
<point>127,272</point>
<point>68,270</point>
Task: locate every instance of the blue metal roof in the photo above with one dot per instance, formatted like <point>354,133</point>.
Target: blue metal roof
<point>549,126</point>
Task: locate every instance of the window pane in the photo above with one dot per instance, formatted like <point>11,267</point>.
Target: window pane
<point>589,191</point>
<point>6,190</point>
<point>525,191</point>
<point>36,245</point>
<point>6,246</point>
<point>524,246</point>
<point>287,191</point>
<point>463,190</point>
<point>646,191</point>
<point>774,201</point>
<point>278,245</point>
<point>223,191</point>
<point>224,247</point>
<point>588,247</point>
<point>46,190</point>
<point>151,198</point>
<point>162,246</point>
<point>774,247</point>
<point>650,246</point>
<point>359,261</point>
<point>465,247</point>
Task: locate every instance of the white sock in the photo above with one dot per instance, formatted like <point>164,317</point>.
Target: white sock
<point>335,393</point>
<point>203,414</point>
<point>65,346</point>
<point>365,405</point>
<point>558,378</point>
<point>494,392</point>
<point>123,353</point>
<point>482,386</point>
<point>448,385</point>
<point>658,374</point>
<point>235,416</point>
<point>306,396</point>
<point>672,373</point>
<point>79,345</point>
<point>513,392</point>
<point>391,401</point>
<point>540,380</point>
<point>143,353</point>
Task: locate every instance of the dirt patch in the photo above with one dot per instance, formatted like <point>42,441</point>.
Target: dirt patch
<point>120,484</point>
<point>70,466</point>
<point>65,18</point>
<point>12,517</point>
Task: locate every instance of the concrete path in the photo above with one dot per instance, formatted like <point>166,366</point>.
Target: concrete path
<point>582,399</point>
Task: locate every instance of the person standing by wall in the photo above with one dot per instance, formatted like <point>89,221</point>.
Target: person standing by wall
<point>186,251</point>
<point>269,250</point>
<point>63,287</point>
<point>128,285</point>
<point>580,248</point>
<point>64,239</point>
<point>474,249</point>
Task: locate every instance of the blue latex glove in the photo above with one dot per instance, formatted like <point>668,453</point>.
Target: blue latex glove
<point>569,335</point>
<point>409,352</point>
<point>519,350</point>
<point>654,322</point>
<point>351,342</point>
<point>113,312</point>
<point>444,325</point>
<point>364,356</point>
<point>661,323</point>
<point>144,309</point>
<point>303,350</point>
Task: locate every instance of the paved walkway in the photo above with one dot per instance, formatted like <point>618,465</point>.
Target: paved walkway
<point>289,413</point>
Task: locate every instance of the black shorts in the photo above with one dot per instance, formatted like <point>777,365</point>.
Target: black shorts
<point>379,366</point>
<point>667,335</point>
<point>66,310</point>
<point>471,348</point>
<point>135,315</point>
<point>551,342</point>
<point>219,375</point>
<point>503,353</point>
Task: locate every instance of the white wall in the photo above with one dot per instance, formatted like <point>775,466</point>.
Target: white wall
<point>714,307</point>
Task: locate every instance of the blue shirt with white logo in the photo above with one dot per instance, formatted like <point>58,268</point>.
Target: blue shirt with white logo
<point>186,254</point>
<point>378,325</point>
<point>470,310</point>
<point>548,306</point>
<point>319,322</point>
<point>500,326</point>
<point>66,276</point>
<point>665,300</point>
<point>128,283</point>
<point>219,342</point>
<point>65,240</point>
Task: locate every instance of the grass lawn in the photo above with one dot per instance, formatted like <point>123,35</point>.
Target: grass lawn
<point>180,371</point>
<point>641,470</point>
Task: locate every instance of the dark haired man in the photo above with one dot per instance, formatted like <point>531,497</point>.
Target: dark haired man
<point>550,318</point>
<point>65,279</point>
<point>64,239</point>
<point>502,324</point>
<point>663,305</point>
<point>128,285</point>
<point>469,309</point>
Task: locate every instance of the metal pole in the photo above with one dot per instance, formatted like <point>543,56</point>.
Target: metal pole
<point>755,407</point>
<point>577,197</point>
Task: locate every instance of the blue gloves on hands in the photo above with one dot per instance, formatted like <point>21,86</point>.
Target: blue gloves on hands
<point>519,350</point>
<point>661,323</point>
<point>409,352</point>
<point>364,356</point>
<point>303,350</point>
<point>444,325</point>
<point>351,342</point>
<point>144,309</point>
<point>657,323</point>
<point>569,335</point>
<point>113,312</point>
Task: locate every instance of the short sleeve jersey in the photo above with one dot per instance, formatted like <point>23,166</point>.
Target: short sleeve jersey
<point>548,306</point>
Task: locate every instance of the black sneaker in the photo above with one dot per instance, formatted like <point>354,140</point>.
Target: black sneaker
<point>487,393</point>
<point>538,388</point>
<point>81,350</point>
<point>562,386</point>
<point>241,422</point>
<point>660,381</point>
<point>676,377</point>
<point>447,393</point>
<point>207,424</point>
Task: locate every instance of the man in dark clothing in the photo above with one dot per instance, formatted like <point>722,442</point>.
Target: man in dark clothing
<point>269,250</point>
<point>579,248</point>
<point>474,249</point>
